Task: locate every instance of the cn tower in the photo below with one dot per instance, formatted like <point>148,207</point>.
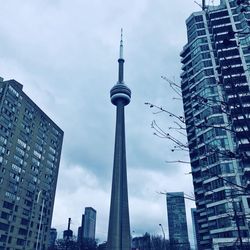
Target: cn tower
<point>119,227</point>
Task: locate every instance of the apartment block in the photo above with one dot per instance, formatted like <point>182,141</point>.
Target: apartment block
<point>30,150</point>
<point>216,100</point>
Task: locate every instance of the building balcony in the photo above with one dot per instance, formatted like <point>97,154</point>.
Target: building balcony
<point>246,171</point>
<point>203,221</point>
<point>202,202</point>
<point>205,225</point>
<point>195,170</point>
<point>205,241</point>
<point>200,191</point>
<point>218,216</point>
<point>185,51</point>
<point>248,184</point>
<point>200,179</point>
<point>203,214</point>
<point>212,204</point>
<point>206,237</point>
<point>186,59</point>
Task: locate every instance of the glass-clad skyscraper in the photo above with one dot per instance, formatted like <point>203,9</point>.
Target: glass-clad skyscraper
<point>30,149</point>
<point>89,223</point>
<point>177,221</point>
<point>195,227</point>
<point>216,99</point>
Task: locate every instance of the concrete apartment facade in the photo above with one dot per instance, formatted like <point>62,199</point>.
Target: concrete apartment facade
<point>30,149</point>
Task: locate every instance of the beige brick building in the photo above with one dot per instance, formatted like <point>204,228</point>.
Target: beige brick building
<point>30,149</point>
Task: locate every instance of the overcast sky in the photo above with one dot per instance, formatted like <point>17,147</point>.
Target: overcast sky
<point>65,54</point>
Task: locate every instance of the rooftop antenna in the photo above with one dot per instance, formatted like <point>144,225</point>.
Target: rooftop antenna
<point>198,4</point>
<point>203,4</point>
<point>69,221</point>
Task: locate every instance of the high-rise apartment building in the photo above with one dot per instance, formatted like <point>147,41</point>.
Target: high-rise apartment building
<point>30,149</point>
<point>177,222</point>
<point>216,99</point>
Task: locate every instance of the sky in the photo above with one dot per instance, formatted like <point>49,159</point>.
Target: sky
<point>65,54</point>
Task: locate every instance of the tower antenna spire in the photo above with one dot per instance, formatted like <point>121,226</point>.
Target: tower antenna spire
<point>121,61</point>
<point>121,45</point>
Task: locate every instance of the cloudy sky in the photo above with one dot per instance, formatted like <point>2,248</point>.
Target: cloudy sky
<point>65,54</point>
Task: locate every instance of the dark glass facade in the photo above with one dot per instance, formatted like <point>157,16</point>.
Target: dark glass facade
<point>89,223</point>
<point>177,222</point>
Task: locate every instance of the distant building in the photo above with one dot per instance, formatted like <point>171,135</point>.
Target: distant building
<point>79,235</point>
<point>102,246</point>
<point>68,234</point>
<point>52,237</point>
<point>87,229</point>
<point>142,242</point>
<point>30,150</point>
<point>195,227</point>
<point>177,222</point>
<point>89,223</point>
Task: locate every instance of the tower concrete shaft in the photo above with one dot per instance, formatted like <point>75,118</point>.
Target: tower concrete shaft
<point>119,226</point>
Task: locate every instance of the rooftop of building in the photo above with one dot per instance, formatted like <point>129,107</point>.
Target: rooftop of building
<point>18,86</point>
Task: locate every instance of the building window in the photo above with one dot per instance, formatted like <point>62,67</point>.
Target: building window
<point>8,205</point>
<point>38,155</point>
<point>36,162</point>
<point>3,238</point>
<point>4,227</point>
<point>22,231</point>
<point>12,91</point>
<point>52,150</point>
<point>21,143</point>
<point>14,176</point>
<point>38,147</point>
<point>10,239</point>
<point>20,151</point>
<point>24,221</point>
<point>10,196</point>
<point>5,215</point>
<point>16,168</point>
<point>28,203</point>
<point>3,140</point>
<point>26,212</point>
<point>18,159</point>
<point>20,242</point>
